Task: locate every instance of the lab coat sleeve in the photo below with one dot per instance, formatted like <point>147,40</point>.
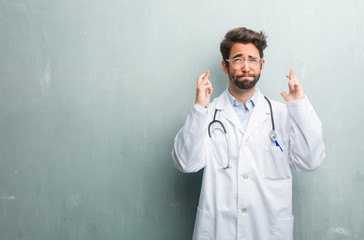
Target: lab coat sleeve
<point>189,145</point>
<point>306,141</point>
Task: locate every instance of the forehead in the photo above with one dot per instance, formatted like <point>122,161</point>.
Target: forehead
<point>248,50</point>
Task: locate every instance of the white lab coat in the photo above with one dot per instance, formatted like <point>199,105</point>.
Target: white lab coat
<point>253,199</point>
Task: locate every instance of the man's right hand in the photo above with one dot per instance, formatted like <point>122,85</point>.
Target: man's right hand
<point>204,89</point>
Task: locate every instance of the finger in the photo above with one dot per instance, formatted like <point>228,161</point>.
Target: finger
<point>296,80</point>
<point>208,87</point>
<point>291,85</point>
<point>203,77</point>
<point>291,74</point>
<point>204,84</point>
<point>207,75</point>
<point>200,79</point>
<point>207,82</point>
<point>292,80</point>
<point>209,90</point>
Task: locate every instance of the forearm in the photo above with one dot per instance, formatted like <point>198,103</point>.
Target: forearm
<point>306,141</point>
<point>189,144</point>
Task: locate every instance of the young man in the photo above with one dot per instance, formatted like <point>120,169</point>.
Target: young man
<point>247,146</point>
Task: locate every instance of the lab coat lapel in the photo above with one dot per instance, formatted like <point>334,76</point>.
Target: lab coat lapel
<point>260,113</point>
<point>228,110</point>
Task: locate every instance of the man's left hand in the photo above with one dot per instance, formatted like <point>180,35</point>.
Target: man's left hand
<point>295,88</point>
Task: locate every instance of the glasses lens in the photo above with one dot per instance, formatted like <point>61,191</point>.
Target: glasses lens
<point>238,63</point>
<point>254,63</point>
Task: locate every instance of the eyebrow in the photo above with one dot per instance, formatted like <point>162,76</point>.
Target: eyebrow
<point>240,55</point>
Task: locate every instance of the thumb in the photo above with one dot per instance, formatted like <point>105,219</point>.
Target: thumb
<point>284,95</point>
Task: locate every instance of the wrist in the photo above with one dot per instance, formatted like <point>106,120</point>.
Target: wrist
<point>200,108</point>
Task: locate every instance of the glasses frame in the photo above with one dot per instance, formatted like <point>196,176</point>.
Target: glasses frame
<point>249,60</point>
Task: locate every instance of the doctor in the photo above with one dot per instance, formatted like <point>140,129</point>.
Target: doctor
<point>247,182</point>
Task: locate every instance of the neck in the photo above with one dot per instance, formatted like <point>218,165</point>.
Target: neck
<point>241,95</point>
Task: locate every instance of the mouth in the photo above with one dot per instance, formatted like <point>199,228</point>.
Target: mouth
<point>245,77</point>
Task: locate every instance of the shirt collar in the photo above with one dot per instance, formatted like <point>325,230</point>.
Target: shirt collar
<point>249,104</point>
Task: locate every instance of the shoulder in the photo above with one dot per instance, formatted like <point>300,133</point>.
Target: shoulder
<point>276,105</point>
<point>279,105</point>
<point>219,101</point>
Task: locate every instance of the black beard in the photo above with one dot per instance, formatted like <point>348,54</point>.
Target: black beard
<point>246,84</point>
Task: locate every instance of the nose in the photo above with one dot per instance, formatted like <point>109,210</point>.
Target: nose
<point>245,67</point>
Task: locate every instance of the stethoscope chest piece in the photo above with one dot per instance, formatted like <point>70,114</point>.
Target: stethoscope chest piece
<point>273,136</point>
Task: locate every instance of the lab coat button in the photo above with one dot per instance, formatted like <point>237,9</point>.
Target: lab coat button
<point>245,176</point>
<point>244,210</point>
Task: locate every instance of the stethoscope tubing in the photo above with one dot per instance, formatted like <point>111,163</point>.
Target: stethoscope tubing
<point>272,134</point>
<point>217,121</point>
<point>271,113</point>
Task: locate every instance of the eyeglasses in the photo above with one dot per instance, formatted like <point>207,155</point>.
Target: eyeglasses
<point>239,62</point>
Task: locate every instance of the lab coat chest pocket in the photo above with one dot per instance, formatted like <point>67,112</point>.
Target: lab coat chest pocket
<point>204,225</point>
<point>276,163</point>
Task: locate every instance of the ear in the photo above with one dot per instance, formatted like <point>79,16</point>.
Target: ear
<point>261,68</point>
<point>225,67</point>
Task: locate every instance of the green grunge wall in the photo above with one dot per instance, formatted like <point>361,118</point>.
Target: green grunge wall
<point>92,94</point>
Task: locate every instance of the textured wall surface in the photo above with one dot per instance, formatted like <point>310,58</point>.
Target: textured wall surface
<point>92,94</point>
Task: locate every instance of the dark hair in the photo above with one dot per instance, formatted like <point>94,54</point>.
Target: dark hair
<point>245,36</point>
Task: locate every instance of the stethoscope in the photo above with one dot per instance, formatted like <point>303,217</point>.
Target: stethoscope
<point>272,134</point>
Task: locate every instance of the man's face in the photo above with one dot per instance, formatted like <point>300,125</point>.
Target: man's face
<point>246,75</point>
